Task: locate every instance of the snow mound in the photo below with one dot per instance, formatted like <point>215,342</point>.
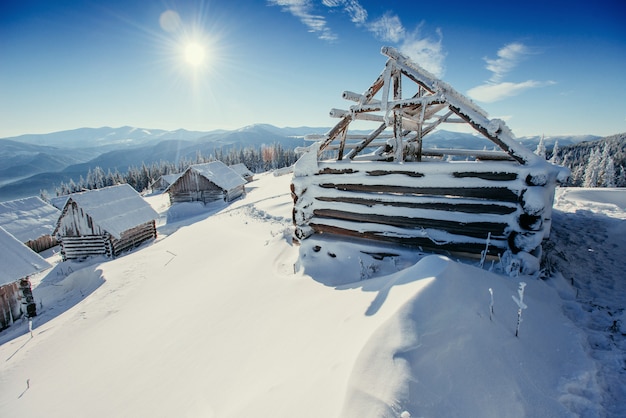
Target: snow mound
<point>440,353</point>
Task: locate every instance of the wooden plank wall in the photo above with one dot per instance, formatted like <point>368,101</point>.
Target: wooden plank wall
<point>133,237</point>
<point>9,304</point>
<point>85,246</point>
<point>192,187</point>
<point>93,245</point>
<point>453,206</point>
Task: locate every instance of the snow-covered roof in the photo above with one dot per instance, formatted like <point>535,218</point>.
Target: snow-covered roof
<point>241,169</point>
<point>115,209</point>
<point>219,173</point>
<point>59,201</point>
<point>170,178</point>
<point>167,179</point>
<point>17,260</point>
<point>29,218</point>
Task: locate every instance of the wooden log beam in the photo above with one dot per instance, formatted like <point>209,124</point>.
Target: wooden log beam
<point>496,248</point>
<point>470,229</point>
<point>489,193</point>
<point>483,130</point>
<point>367,141</point>
<point>332,134</point>
<point>493,208</point>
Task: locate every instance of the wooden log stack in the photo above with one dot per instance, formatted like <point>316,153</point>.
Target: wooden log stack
<point>463,207</point>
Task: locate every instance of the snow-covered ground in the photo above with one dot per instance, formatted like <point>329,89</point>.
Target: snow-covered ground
<point>223,316</point>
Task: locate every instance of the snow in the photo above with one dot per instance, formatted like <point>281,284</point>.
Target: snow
<point>29,218</point>
<point>223,316</point>
<point>17,260</point>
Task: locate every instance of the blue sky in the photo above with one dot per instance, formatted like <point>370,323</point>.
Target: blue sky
<point>546,67</point>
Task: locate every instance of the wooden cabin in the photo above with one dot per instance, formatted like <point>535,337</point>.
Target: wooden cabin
<point>390,185</point>
<point>243,171</point>
<point>18,263</point>
<point>30,220</point>
<point>206,183</point>
<point>104,222</point>
<point>163,182</point>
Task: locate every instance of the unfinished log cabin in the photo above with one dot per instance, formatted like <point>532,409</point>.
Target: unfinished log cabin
<point>390,185</point>
<point>18,263</point>
<point>30,220</point>
<point>105,222</point>
<point>206,183</point>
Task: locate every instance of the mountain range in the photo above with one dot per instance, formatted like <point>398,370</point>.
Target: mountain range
<point>35,162</point>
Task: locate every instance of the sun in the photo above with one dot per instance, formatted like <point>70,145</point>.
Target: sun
<point>195,54</point>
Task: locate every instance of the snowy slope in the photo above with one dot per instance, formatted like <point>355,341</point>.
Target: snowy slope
<point>223,317</point>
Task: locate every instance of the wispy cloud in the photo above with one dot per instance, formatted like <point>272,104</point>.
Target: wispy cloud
<point>388,28</point>
<point>509,56</point>
<point>303,10</point>
<point>494,89</point>
<point>427,51</point>
<point>492,92</point>
<point>353,8</point>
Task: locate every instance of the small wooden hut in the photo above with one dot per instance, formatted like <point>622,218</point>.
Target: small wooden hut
<point>163,182</point>
<point>104,222</point>
<point>207,182</point>
<point>30,220</point>
<point>389,185</point>
<point>18,263</point>
<point>243,171</point>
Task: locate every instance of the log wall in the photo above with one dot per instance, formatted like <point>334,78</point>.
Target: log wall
<point>9,304</point>
<point>93,245</point>
<point>16,299</point>
<point>452,206</point>
<point>192,187</point>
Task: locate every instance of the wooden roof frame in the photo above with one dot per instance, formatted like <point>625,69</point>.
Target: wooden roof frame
<point>412,118</point>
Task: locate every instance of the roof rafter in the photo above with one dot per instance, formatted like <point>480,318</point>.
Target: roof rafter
<point>412,118</point>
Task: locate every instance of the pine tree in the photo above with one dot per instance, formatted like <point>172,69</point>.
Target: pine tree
<point>592,170</point>
<point>555,159</point>
<point>541,148</point>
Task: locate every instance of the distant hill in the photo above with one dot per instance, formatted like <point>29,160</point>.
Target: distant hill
<point>35,162</point>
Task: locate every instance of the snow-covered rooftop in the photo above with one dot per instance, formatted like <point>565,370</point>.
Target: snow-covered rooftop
<point>17,260</point>
<point>29,218</point>
<point>241,169</point>
<point>219,173</point>
<point>115,209</point>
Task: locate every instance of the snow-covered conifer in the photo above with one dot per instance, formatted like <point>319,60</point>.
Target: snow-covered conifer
<point>592,170</point>
<point>541,148</point>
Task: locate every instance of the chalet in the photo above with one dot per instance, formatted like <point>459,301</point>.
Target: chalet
<point>163,182</point>
<point>31,221</point>
<point>207,183</point>
<point>392,185</point>
<point>104,222</point>
<point>243,171</point>
<point>18,263</point>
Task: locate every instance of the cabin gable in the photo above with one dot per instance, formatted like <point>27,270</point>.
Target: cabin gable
<point>18,263</point>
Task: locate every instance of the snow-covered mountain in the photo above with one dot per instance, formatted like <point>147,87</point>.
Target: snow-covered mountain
<point>31,163</point>
<point>223,316</point>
